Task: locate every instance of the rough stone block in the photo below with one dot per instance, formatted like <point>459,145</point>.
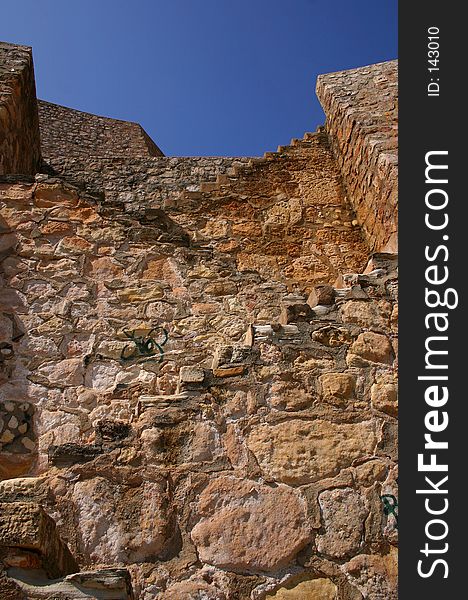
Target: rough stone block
<point>375,576</point>
<point>343,512</point>
<point>370,347</point>
<point>111,430</point>
<point>298,452</point>
<point>337,388</point>
<point>384,397</point>
<point>26,525</point>
<point>246,526</point>
<point>191,375</point>
<point>321,294</point>
<point>230,371</point>
<point>103,584</point>
<point>369,314</point>
<point>69,454</point>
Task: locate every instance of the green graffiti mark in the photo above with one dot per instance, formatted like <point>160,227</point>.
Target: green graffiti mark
<point>390,506</point>
<point>144,346</point>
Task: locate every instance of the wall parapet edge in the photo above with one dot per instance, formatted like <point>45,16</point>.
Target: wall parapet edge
<point>20,148</point>
<point>361,106</point>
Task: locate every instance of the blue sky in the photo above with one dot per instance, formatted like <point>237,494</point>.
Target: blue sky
<point>203,77</point>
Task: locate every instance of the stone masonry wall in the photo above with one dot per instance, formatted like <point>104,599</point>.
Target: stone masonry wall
<point>19,130</point>
<point>70,133</point>
<point>144,182</point>
<point>361,106</point>
<point>247,455</point>
<point>198,362</point>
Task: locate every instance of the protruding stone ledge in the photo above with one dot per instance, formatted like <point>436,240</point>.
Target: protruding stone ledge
<point>164,401</point>
<point>104,584</point>
<point>26,526</point>
<point>69,454</point>
<point>274,332</point>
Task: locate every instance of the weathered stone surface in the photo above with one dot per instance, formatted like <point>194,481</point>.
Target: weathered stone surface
<point>371,347</point>
<point>384,397</point>
<point>27,525</point>
<point>298,452</point>
<point>287,396</point>
<point>343,512</point>
<point>187,590</point>
<point>227,371</point>
<point>375,576</point>
<point>158,442</point>
<point>373,315</point>
<point>70,454</point>
<point>246,526</point>
<point>321,294</point>
<point>112,430</point>
<point>296,313</point>
<point>310,589</point>
<point>23,489</point>
<point>69,372</point>
<point>103,584</point>
<point>337,388</point>
<point>191,375</point>
<point>120,522</point>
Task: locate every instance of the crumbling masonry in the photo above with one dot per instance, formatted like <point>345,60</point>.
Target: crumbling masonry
<point>197,356</point>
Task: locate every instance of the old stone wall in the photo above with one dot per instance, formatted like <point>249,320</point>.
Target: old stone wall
<point>70,133</point>
<point>198,363</point>
<point>145,182</point>
<point>19,130</point>
<point>228,460</point>
<point>361,106</point>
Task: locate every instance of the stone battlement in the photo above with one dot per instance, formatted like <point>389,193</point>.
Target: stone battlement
<point>361,106</point>
<point>76,134</point>
<point>19,123</point>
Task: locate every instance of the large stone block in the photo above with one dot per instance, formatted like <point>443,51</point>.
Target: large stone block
<point>298,452</point>
<point>27,526</point>
<point>249,527</point>
<point>375,576</point>
<point>369,314</point>
<point>337,388</point>
<point>343,511</point>
<point>124,523</point>
<point>370,347</point>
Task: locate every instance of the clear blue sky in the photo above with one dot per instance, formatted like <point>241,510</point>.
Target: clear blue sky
<point>203,77</point>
